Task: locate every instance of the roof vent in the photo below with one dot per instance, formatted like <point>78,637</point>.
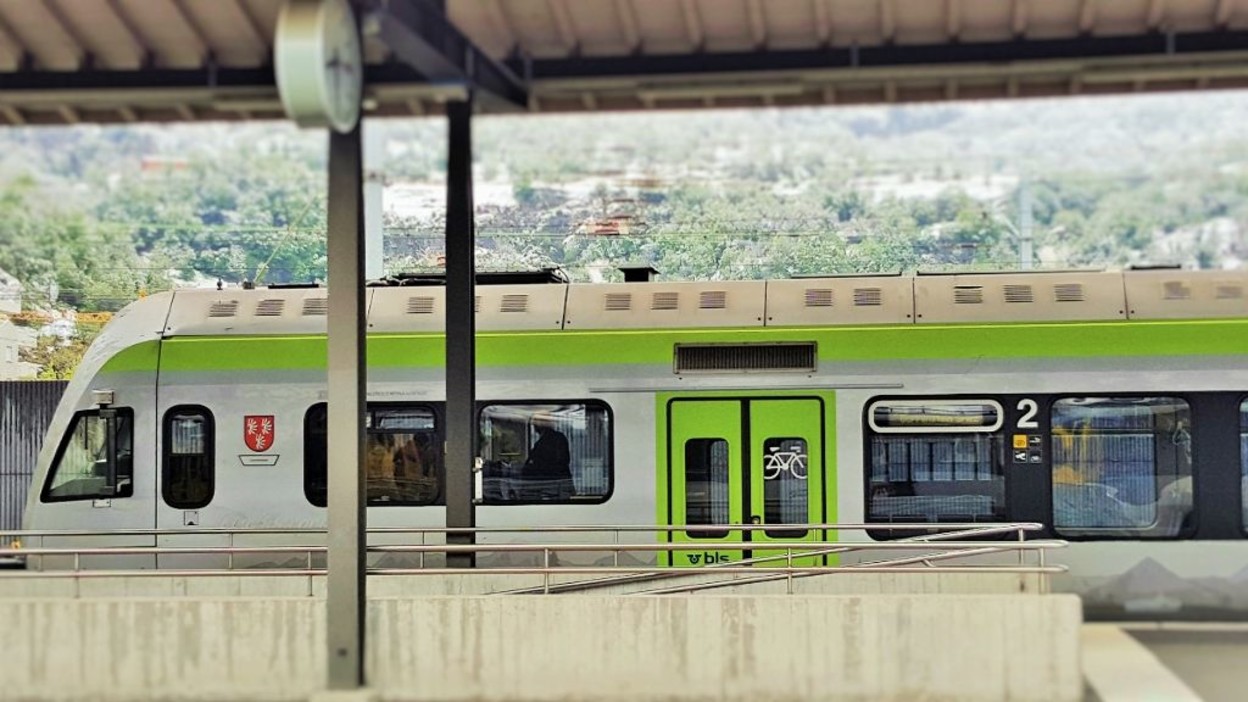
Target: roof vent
<point>968,294</point>
<point>514,303</point>
<point>1175,290</point>
<point>746,358</point>
<point>271,307</point>
<point>713,300</point>
<point>639,273</point>
<point>1019,293</point>
<point>315,306</point>
<point>868,297</point>
<point>1228,291</point>
<point>476,304</point>
<point>223,308</point>
<point>1068,292</point>
<point>819,297</point>
<point>420,304</point>
<point>618,302</point>
<point>665,301</point>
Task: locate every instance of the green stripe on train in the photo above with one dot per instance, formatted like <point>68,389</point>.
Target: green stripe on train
<point>651,347</point>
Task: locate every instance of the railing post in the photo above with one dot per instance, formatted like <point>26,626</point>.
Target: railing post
<point>616,559</point>
<point>545,571</point>
<point>789,560</point>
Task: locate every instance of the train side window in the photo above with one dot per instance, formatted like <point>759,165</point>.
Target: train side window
<point>1243,459</point>
<point>935,460</point>
<point>403,457</point>
<point>188,478</point>
<point>706,486</point>
<point>1122,466</point>
<point>546,452</point>
<point>80,470</point>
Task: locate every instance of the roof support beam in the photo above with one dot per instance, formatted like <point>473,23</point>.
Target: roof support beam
<point>127,114</point>
<point>146,57</point>
<point>1156,13</point>
<point>499,16</point>
<point>425,40</point>
<point>693,24</point>
<point>953,20</point>
<point>888,22</point>
<point>1087,16</point>
<point>563,22</point>
<point>13,115</point>
<point>8,36</point>
<point>82,50</point>
<point>1018,21</point>
<point>196,31</point>
<point>628,25</point>
<point>1222,14</point>
<point>823,23</point>
<point>758,23</point>
<point>253,26</point>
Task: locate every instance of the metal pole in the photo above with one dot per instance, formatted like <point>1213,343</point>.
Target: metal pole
<point>347,376</point>
<point>461,380</point>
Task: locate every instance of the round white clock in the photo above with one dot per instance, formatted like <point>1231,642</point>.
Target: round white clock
<point>319,62</point>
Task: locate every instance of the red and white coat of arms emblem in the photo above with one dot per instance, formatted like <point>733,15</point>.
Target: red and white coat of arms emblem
<point>259,431</point>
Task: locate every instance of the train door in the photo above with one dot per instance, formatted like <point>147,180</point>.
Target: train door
<point>187,482</point>
<point>733,461</point>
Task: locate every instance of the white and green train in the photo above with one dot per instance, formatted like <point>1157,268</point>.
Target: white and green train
<point>1110,406</point>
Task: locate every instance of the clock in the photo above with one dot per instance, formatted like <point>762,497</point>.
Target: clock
<point>319,63</point>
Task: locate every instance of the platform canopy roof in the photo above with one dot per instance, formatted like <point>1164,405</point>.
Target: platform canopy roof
<point>66,61</point>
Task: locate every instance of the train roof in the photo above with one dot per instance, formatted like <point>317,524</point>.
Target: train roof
<point>1059,296</point>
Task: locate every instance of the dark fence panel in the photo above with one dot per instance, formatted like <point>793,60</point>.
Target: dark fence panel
<point>26,408</point>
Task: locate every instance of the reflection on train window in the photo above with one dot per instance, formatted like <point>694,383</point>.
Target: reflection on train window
<point>188,476</point>
<point>1122,466</point>
<point>402,456</point>
<point>80,471</point>
<point>1243,459</point>
<point>546,452</point>
<point>706,486</point>
<point>936,460</point>
<point>785,499</point>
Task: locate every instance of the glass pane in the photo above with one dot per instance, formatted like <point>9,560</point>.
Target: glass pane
<point>1121,466</point>
<point>403,462</point>
<point>1243,458</point>
<point>189,472</point>
<point>315,460</point>
<point>706,485</point>
<point>937,478</point>
<point>902,415</point>
<point>81,472</point>
<point>785,499</point>
<point>546,453</point>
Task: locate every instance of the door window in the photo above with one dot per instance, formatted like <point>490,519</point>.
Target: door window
<point>706,485</point>
<point>785,496</point>
<point>189,470</point>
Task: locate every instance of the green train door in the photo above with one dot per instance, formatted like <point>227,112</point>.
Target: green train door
<point>744,461</point>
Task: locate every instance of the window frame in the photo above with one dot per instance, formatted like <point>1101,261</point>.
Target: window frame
<point>128,491</point>
<point>439,430</point>
<point>166,453</point>
<point>998,431</point>
<point>483,404</point>
<point>1191,525</point>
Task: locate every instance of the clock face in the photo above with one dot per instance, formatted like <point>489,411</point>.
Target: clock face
<point>320,69</point>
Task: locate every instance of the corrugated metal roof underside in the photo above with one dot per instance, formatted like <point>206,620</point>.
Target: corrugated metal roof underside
<point>211,59</point>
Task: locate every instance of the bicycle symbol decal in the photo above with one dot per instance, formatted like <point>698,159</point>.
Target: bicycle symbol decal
<point>791,462</point>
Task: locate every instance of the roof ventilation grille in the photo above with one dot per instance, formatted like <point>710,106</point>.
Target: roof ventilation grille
<point>514,303</point>
<point>713,300</point>
<point>968,294</point>
<point>476,304</point>
<point>819,297</point>
<point>1228,291</point>
<point>315,306</point>
<point>868,297</point>
<point>420,304</point>
<point>618,302</point>
<point>271,307</point>
<point>1068,292</point>
<point>746,358</point>
<point>1019,293</point>
<point>223,308</point>
<point>665,301</point>
<point>1175,290</point>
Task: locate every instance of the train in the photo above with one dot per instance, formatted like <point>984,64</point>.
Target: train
<point>1109,406</point>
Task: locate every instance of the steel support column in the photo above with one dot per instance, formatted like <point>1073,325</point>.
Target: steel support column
<point>347,377</point>
<point>461,380</point>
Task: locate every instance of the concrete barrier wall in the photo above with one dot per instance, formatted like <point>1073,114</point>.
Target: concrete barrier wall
<point>965,647</point>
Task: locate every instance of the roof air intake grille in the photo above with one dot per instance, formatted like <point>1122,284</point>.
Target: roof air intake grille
<point>713,300</point>
<point>819,297</point>
<point>1175,290</point>
<point>665,301</point>
<point>315,306</point>
<point>746,358</point>
<point>618,302</point>
<point>270,308</point>
<point>223,308</point>
<point>868,297</point>
<point>968,294</point>
<point>1229,291</point>
<point>1019,293</point>
<point>420,304</point>
<point>514,303</point>
<point>1068,292</point>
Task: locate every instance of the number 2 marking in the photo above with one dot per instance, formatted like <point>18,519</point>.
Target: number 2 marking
<point>1029,408</point>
